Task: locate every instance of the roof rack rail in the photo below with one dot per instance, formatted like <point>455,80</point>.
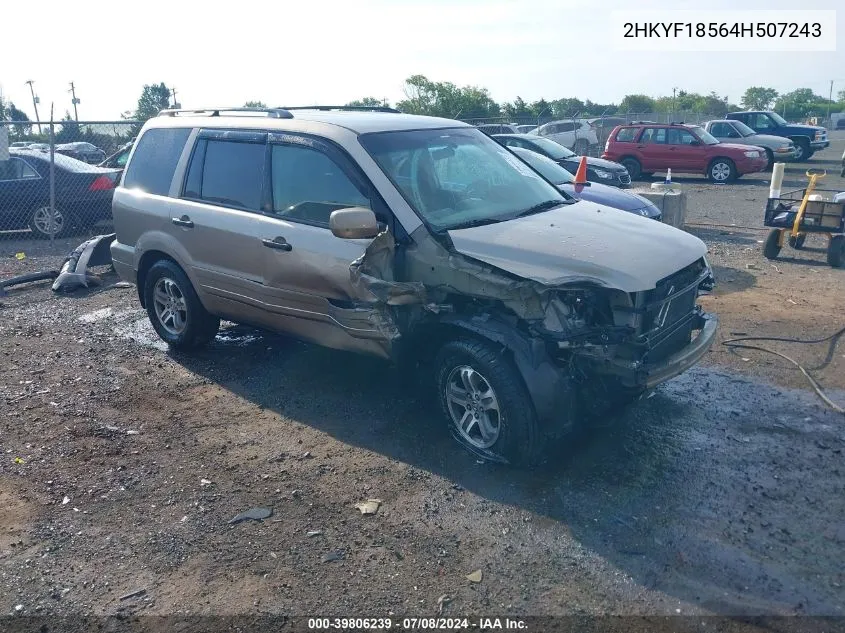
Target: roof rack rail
<point>677,123</point>
<point>349,108</point>
<point>274,113</point>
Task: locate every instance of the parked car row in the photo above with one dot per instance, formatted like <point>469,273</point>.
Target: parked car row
<point>80,150</point>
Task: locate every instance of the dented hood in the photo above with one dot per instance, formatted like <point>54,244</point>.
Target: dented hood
<point>584,241</point>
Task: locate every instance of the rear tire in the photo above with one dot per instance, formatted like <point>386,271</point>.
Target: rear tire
<point>836,251</point>
<point>40,223</point>
<point>635,170</point>
<point>175,311</point>
<point>485,402</point>
<point>771,249</point>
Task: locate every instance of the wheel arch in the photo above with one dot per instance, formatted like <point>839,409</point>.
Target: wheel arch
<point>551,390</point>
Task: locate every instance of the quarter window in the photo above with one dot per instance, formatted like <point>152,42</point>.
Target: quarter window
<point>154,161</point>
<point>308,185</point>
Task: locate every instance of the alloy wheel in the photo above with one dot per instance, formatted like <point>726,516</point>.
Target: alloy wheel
<point>48,223</point>
<point>170,307</point>
<point>473,407</point>
<point>720,171</point>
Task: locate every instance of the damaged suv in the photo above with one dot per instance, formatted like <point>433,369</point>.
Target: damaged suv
<point>419,240</point>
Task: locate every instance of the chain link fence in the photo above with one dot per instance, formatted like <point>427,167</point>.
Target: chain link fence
<point>57,179</point>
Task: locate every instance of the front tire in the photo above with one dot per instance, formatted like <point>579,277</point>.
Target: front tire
<point>174,309</point>
<point>485,402</point>
<point>770,160</point>
<point>721,170</point>
<point>802,150</point>
<point>635,170</point>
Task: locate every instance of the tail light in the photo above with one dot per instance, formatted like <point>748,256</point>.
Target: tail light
<point>103,183</point>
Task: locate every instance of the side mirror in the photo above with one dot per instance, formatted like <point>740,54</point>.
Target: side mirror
<point>353,223</point>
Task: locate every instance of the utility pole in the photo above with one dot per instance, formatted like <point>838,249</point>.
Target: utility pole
<point>829,101</point>
<point>173,94</point>
<point>74,101</point>
<point>34,103</point>
<point>674,90</point>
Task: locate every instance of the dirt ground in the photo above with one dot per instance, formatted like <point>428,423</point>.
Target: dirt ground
<point>122,464</point>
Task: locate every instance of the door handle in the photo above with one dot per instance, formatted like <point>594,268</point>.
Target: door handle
<point>183,221</point>
<point>640,146</point>
<point>279,243</point>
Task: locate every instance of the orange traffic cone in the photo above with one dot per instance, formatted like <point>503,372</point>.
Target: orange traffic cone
<point>581,174</point>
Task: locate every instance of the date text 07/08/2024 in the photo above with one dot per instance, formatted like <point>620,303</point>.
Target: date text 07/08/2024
<point>419,624</point>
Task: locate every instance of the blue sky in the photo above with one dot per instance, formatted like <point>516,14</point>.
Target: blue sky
<point>333,51</point>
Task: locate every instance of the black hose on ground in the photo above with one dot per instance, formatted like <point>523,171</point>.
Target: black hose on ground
<point>28,278</point>
<point>737,343</point>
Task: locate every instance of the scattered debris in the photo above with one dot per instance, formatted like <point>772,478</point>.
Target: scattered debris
<point>370,506</point>
<point>133,594</point>
<point>442,601</point>
<point>752,266</point>
<point>65,501</point>
<point>20,256</point>
<point>333,556</point>
<point>18,607</point>
<point>205,482</point>
<point>74,273</point>
<point>18,460</point>
<point>475,576</point>
<point>253,514</point>
<point>314,533</point>
<point>273,555</point>
<point>133,432</point>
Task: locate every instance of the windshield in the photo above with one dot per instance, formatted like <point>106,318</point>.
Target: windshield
<point>547,168</point>
<point>778,118</point>
<point>456,178</point>
<point>704,135</point>
<point>552,149</point>
<point>743,129</point>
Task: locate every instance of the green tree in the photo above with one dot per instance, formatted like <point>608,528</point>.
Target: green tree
<point>635,104</point>
<point>255,104</point>
<point>517,110</point>
<point>801,104</point>
<point>567,108</point>
<point>69,131</point>
<point>154,98</point>
<point>758,98</point>
<point>368,102</point>
<point>9,112</point>
<point>443,98</point>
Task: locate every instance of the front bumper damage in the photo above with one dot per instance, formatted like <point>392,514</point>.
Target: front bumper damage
<point>644,343</point>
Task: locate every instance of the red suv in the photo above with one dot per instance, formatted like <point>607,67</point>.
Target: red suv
<point>644,148</point>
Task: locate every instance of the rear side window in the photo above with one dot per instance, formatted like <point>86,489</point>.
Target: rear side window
<point>228,173</point>
<point>653,135</point>
<point>626,135</point>
<point>154,160</point>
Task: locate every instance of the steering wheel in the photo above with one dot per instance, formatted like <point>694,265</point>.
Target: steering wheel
<point>478,189</point>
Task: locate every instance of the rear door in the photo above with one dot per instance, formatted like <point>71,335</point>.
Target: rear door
<point>305,268</point>
<point>685,151</point>
<point>724,131</point>
<point>651,147</point>
<point>216,220</point>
